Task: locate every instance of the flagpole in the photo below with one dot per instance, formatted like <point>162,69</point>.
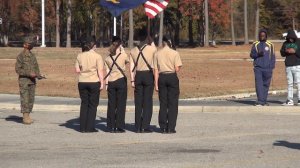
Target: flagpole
<point>148,30</point>
<point>161,29</point>
<point>115,26</point>
<point>43,24</point>
<point>131,32</point>
<point>121,27</point>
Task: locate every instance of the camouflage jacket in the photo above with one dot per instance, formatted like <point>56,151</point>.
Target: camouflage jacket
<point>26,64</point>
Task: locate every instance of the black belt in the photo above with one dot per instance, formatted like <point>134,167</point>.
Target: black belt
<point>167,73</point>
<point>145,71</point>
<point>22,76</point>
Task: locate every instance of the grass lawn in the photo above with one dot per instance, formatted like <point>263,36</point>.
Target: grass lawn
<point>206,71</point>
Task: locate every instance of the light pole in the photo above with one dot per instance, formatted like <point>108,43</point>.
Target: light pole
<point>206,43</point>
<point>115,26</point>
<point>43,24</point>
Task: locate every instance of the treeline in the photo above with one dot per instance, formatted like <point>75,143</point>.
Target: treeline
<point>184,20</point>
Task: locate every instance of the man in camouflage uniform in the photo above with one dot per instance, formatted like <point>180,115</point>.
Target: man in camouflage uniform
<point>28,70</point>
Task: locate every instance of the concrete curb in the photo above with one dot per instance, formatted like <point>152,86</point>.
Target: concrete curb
<point>235,96</point>
<point>201,109</point>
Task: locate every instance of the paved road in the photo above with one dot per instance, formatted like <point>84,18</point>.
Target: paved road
<point>276,100</point>
<point>205,140</point>
<point>43,103</point>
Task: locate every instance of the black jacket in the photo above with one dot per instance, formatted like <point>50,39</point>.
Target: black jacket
<point>291,59</point>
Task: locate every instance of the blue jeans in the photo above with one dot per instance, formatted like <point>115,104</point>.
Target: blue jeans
<point>293,77</point>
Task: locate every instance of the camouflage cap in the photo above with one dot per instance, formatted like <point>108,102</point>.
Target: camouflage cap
<point>28,40</point>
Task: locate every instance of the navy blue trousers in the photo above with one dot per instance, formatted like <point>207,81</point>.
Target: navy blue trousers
<point>262,83</point>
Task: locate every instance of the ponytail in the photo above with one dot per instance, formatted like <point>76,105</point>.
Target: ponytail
<point>116,42</point>
<point>113,48</point>
<point>87,43</point>
<point>169,42</point>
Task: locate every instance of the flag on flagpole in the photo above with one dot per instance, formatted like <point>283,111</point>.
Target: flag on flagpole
<point>117,7</point>
<point>153,7</point>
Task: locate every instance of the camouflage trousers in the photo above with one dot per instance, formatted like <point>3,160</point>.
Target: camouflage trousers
<point>27,93</point>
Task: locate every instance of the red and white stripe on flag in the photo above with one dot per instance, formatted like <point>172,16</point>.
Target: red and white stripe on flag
<point>153,7</point>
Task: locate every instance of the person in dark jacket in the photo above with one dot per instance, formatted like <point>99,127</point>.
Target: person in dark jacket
<point>264,62</point>
<point>292,62</point>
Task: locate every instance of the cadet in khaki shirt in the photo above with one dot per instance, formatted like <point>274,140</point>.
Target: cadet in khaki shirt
<point>167,64</point>
<point>142,80</point>
<point>116,87</point>
<point>89,65</point>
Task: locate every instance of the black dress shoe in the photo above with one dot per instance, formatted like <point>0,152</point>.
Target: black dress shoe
<point>111,130</point>
<point>163,130</point>
<point>138,130</point>
<point>147,130</point>
<point>82,131</point>
<point>120,130</point>
<point>171,131</point>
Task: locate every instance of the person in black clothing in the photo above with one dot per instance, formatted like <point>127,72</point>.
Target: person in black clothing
<point>167,63</point>
<point>142,80</point>
<point>290,50</point>
<point>116,85</point>
<point>89,66</point>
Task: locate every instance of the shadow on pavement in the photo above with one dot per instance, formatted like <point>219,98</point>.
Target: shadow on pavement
<point>197,150</point>
<point>287,144</point>
<point>246,102</point>
<point>13,118</point>
<point>74,124</point>
<point>100,123</point>
<point>275,102</point>
<point>131,127</point>
<point>252,102</point>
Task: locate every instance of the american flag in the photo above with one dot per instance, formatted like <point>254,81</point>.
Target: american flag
<point>153,7</point>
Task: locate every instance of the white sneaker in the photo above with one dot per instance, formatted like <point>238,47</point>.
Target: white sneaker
<point>288,103</point>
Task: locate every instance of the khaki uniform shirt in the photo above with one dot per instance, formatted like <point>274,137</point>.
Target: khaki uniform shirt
<point>166,60</point>
<point>148,53</point>
<point>89,63</point>
<point>115,73</point>
<point>26,64</point>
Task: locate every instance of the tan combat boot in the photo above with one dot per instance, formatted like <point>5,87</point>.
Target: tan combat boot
<point>26,119</point>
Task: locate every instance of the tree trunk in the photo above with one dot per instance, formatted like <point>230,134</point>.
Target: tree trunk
<point>177,26</point>
<point>206,24</point>
<point>232,24</point>
<point>57,23</point>
<point>257,20</point>
<point>246,21</point>
<point>101,29</point>
<point>201,25</point>
<point>294,26</point>
<point>131,29</point>
<point>200,32</point>
<point>161,29</point>
<point>69,23</point>
<point>121,27</point>
<point>191,39</point>
<point>5,40</point>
